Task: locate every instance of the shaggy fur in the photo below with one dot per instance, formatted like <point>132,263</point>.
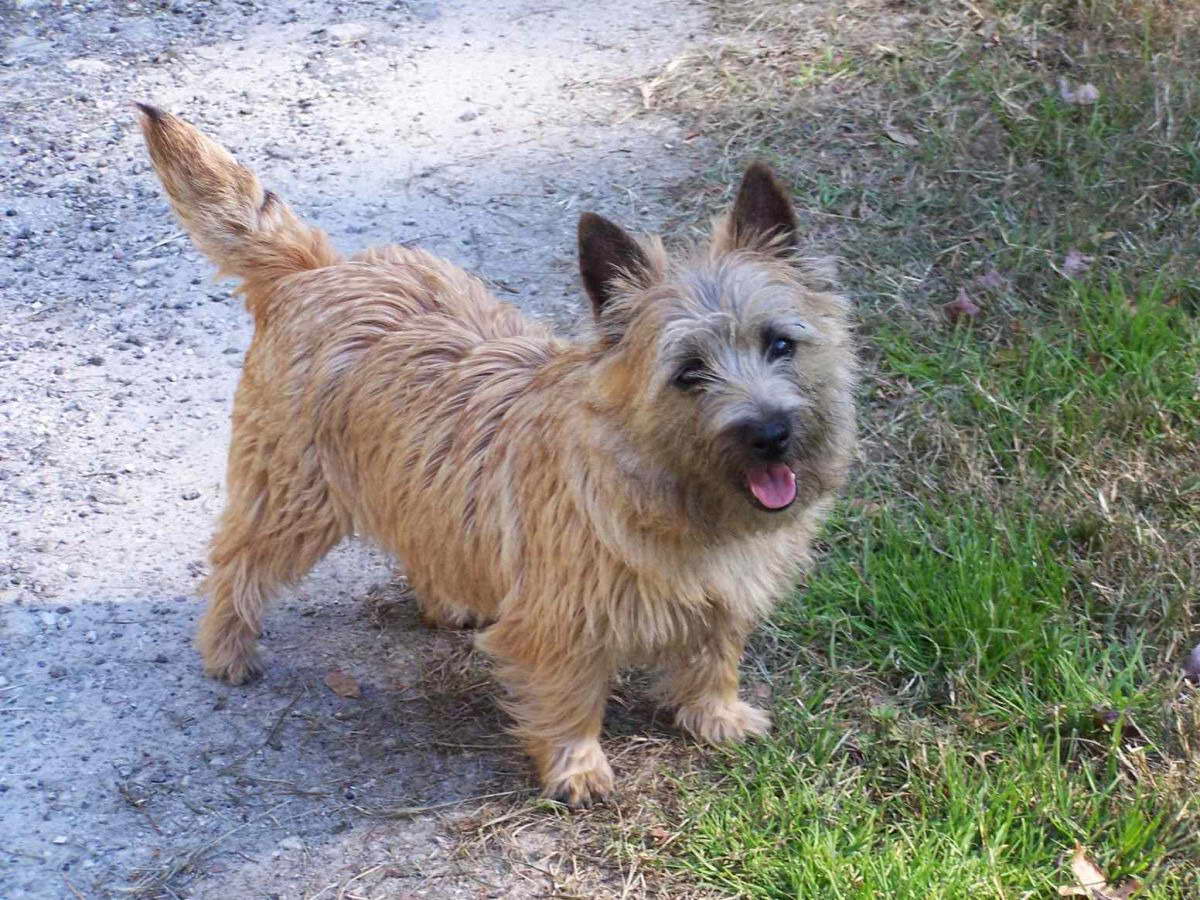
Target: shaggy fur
<point>591,503</point>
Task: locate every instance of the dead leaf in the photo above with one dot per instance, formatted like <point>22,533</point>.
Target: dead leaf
<point>1092,882</point>
<point>1081,96</point>
<point>659,834</point>
<point>342,684</point>
<point>992,280</point>
<point>1075,264</point>
<point>901,137</point>
<point>1191,665</point>
<point>647,89</point>
<point>962,307</point>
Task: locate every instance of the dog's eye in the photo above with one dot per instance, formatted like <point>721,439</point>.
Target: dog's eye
<point>690,374</point>
<point>780,348</point>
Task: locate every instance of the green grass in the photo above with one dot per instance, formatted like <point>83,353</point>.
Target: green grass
<point>983,672</point>
<point>1110,367</point>
<point>957,727</point>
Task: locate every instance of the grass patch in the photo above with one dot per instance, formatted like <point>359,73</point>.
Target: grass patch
<point>957,726</point>
<point>984,671</point>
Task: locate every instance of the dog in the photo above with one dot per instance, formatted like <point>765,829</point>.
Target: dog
<point>639,497</point>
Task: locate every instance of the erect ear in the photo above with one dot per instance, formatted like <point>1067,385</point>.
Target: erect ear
<point>763,209</point>
<point>606,253</point>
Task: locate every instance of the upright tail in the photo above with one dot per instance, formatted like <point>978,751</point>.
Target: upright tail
<point>247,231</point>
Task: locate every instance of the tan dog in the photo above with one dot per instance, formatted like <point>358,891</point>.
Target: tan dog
<point>638,498</point>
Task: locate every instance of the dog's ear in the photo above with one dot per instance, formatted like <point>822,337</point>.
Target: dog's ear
<point>763,214</point>
<point>607,255</point>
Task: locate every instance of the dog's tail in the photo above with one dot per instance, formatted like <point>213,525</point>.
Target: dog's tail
<point>247,231</point>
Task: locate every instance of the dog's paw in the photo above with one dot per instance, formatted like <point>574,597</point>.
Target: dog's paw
<point>723,722</point>
<point>578,775</point>
<point>236,670</point>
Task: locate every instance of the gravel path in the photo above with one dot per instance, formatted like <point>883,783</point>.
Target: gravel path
<point>478,129</point>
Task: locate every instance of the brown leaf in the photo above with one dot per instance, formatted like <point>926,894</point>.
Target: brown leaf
<point>992,280</point>
<point>1191,665</point>
<point>647,89</point>
<point>1092,882</point>
<point>962,307</point>
<point>1082,96</point>
<point>901,137</point>
<point>342,684</point>
<point>1075,263</point>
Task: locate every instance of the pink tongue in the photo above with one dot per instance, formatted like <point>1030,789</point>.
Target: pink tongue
<point>773,485</point>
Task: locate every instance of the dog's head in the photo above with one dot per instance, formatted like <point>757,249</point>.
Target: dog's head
<point>733,367</point>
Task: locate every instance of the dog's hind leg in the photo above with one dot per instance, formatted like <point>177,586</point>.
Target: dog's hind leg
<point>279,522</point>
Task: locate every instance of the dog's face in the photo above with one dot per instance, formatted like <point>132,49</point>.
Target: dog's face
<point>731,368</point>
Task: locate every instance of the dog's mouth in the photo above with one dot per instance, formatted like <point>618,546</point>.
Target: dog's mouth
<point>773,485</point>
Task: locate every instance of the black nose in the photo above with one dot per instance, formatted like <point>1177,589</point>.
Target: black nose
<point>769,439</point>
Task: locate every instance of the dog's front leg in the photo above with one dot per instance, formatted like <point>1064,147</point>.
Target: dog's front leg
<point>702,684</point>
<point>558,690</point>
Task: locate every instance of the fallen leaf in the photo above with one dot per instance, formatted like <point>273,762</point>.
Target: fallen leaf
<point>1081,96</point>
<point>659,834</point>
<point>1109,719</point>
<point>992,280</point>
<point>901,137</point>
<point>1191,665</point>
<point>647,90</point>
<point>962,307</point>
<point>1075,264</point>
<point>342,684</point>
<point>1092,882</point>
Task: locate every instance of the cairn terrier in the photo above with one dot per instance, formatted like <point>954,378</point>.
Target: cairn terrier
<point>637,498</point>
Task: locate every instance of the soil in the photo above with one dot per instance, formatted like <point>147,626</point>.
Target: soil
<point>478,129</point>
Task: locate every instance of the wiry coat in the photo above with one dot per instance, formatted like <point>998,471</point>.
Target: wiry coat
<point>565,494</point>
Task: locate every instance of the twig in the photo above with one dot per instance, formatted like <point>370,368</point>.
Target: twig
<point>167,240</point>
<point>342,891</point>
<point>407,812</point>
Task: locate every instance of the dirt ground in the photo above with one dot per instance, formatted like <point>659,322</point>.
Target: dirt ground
<point>478,129</point>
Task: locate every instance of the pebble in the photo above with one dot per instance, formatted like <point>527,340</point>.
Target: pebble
<point>348,32</point>
<point>190,495</point>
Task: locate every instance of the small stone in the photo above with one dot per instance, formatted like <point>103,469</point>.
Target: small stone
<point>85,66</point>
<point>292,842</point>
<point>59,839</point>
<point>90,637</point>
<point>348,32</point>
<point>190,495</point>
<point>96,360</point>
